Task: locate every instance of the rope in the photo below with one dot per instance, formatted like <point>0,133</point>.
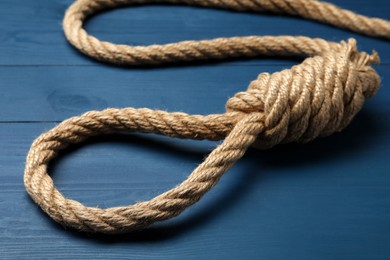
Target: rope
<point>316,98</point>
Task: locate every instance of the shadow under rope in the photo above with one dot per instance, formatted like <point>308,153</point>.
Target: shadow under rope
<point>363,130</point>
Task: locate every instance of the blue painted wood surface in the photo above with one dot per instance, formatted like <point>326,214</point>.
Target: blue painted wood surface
<point>329,199</point>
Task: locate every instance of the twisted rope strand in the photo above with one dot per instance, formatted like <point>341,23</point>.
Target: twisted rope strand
<point>221,47</point>
<point>316,98</point>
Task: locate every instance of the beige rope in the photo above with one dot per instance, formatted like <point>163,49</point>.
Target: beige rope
<point>318,97</point>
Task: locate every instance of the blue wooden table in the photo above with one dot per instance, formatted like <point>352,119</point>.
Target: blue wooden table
<point>329,199</point>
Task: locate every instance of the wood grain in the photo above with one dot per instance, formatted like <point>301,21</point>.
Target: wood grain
<point>328,199</point>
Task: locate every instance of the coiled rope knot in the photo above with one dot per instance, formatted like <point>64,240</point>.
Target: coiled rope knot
<point>315,98</point>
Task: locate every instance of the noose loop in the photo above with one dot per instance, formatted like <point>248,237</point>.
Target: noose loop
<point>318,97</point>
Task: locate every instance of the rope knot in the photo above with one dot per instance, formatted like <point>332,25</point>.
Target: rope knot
<point>315,98</point>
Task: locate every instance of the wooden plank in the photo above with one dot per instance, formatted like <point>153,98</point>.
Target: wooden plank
<point>328,198</point>
<point>32,33</point>
<point>56,93</point>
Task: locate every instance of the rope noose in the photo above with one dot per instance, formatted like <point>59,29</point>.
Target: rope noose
<point>318,97</point>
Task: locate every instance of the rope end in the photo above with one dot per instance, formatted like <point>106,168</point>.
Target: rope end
<point>374,58</point>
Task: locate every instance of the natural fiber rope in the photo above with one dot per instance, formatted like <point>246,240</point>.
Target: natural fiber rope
<point>318,97</point>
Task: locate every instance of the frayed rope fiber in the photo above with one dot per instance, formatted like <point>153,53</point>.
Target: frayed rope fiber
<point>316,98</point>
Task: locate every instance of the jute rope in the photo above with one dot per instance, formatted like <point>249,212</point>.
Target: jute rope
<point>318,97</point>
